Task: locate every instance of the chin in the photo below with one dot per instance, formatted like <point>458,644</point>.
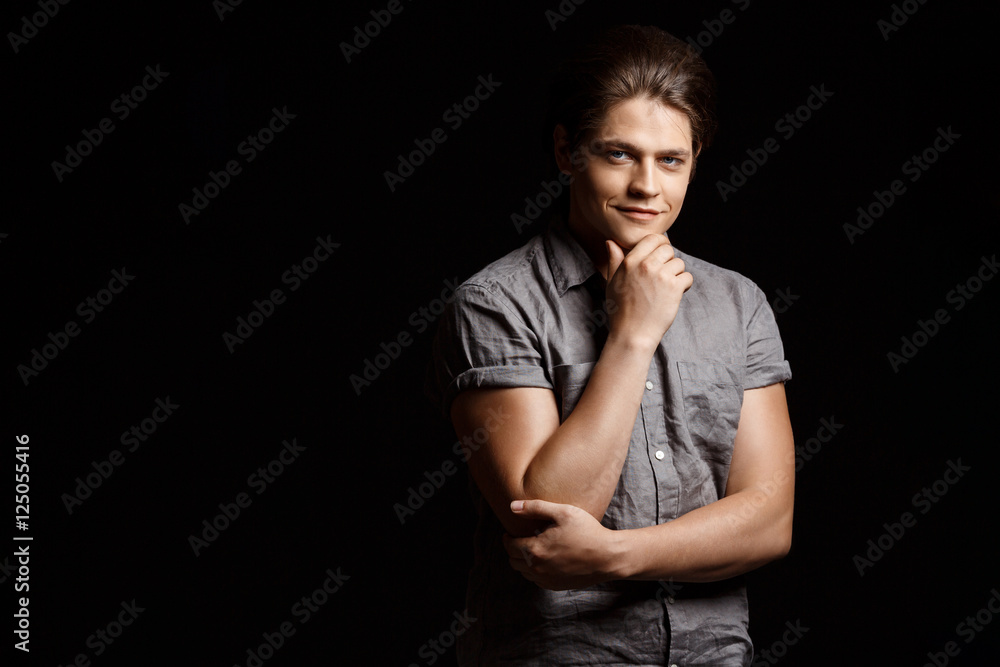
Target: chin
<point>627,238</point>
<point>627,242</point>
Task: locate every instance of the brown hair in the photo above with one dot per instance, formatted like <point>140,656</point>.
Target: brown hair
<point>626,62</point>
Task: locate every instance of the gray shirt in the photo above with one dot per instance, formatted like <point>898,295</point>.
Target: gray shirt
<point>535,318</point>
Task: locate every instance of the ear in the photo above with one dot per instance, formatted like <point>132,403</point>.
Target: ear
<point>560,142</point>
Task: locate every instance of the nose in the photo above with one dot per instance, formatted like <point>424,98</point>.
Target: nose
<point>643,182</point>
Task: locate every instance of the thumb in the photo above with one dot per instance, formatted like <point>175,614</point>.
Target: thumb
<point>535,509</point>
<point>615,257</point>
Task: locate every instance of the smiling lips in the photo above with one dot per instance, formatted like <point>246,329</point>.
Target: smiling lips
<point>638,213</point>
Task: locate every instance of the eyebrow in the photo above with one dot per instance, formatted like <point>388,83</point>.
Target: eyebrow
<point>632,148</point>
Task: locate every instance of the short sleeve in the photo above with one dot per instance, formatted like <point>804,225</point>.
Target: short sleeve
<point>766,362</point>
<point>481,341</point>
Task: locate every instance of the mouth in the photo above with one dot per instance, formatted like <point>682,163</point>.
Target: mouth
<point>638,212</point>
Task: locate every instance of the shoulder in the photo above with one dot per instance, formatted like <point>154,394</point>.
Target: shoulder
<point>713,280</point>
<point>728,316</point>
<point>520,272</point>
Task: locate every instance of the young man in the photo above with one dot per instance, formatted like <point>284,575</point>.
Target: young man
<point>635,453</point>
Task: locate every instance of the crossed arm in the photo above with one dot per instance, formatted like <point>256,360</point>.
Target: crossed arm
<point>550,484</point>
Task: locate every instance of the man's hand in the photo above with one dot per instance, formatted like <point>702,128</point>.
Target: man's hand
<point>574,551</point>
<point>644,289</point>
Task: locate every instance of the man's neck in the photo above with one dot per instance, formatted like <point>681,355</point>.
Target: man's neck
<point>591,242</point>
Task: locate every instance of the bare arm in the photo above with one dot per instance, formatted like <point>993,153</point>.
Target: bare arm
<point>578,462</point>
<point>532,456</point>
<point>749,527</point>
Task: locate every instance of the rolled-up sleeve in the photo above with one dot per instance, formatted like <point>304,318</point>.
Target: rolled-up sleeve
<point>482,342</point>
<point>766,362</point>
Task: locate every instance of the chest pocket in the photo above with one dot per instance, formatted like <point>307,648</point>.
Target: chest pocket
<point>713,397</point>
<point>570,380</point>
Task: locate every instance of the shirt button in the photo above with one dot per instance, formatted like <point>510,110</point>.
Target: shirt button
<point>659,456</point>
<point>670,599</point>
<point>649,385</point>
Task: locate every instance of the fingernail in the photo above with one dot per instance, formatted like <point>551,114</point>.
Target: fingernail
<point>517,505</point>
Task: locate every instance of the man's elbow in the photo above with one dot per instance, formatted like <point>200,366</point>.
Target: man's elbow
<point>780,542</point>
<point>782,546</point>
<point>587,496</point>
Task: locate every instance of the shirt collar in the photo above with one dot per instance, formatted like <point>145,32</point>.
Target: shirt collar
<point>568,261</point>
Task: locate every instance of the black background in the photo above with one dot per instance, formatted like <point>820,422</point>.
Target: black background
<point>323,176</point>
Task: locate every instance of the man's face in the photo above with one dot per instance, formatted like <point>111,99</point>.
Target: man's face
<point>630,176</point>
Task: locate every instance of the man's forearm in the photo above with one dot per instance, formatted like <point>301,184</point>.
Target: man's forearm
<point>581,462</point>
<point>723,539</point>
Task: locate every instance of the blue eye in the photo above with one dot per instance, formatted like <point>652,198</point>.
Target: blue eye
<point>621,156</point>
